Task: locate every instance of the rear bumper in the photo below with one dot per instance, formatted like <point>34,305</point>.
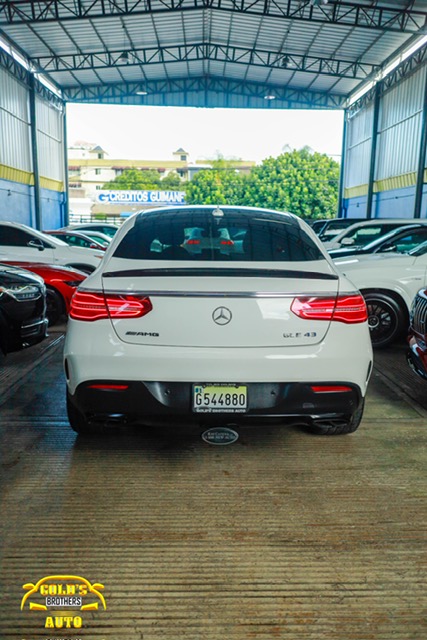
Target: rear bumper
<point>171,402</point>
<point>93,351</point>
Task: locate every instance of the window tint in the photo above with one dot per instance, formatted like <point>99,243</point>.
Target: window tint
<point>75,241</point>
<point>109,231</point>
<point>13,237</point>
<point>365,234</point>
<point>410,241</point>
<point>235,236</point>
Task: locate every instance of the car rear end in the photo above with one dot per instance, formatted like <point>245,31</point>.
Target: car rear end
<point>206,315</point>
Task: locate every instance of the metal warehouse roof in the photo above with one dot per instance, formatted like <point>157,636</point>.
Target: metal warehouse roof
<point>257,53</point>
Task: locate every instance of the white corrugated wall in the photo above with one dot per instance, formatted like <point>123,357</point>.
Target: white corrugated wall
<point>359,139</point>
<point>399,128</point>
<point>15,138</point>
<point>49,121</point>
<point>17,193</point>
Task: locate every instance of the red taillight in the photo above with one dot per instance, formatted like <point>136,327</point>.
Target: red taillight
<point>90,306</point>
<point>193,241</point>
<point>331,389</point>
<point>349,309</point>
<point>126,306</point>
<point>109,387</point>
<point>227,242</point>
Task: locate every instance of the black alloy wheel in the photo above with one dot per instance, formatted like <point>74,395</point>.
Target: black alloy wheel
<point>385,319</point>
<point>54,306</point>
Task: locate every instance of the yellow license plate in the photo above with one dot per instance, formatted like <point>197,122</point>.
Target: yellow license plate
<point>220,398</point>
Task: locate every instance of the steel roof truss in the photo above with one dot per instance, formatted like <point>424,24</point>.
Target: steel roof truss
<point>201,51</point>
<point>202,85</point>
<point>343,12</point>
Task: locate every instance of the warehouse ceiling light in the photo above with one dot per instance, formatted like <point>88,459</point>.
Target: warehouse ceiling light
<point>269,97</point>
<point>123,57</point>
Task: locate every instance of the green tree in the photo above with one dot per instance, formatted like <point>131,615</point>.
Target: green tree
<point>135,179</point>
<point>216,186</point>
<point>302,182</point>
<point>172,182</point>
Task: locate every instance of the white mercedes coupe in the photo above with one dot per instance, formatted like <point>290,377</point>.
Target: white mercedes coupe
<point>217,315</point>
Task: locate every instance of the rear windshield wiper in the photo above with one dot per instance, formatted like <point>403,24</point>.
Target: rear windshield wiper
<point>215,272</point>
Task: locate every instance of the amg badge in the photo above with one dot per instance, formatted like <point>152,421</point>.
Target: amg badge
<point>151,334</point>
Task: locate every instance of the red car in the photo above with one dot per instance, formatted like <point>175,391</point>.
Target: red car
<point>61,283</point>
<point>417,353</point>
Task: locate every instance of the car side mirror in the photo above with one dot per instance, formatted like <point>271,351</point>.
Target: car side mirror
<point>36,243</point>
<point>389,247</point>
<point>347,242</point>
<point>92,246</point>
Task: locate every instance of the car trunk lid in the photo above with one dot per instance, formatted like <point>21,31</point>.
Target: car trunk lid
<point>227,307</point>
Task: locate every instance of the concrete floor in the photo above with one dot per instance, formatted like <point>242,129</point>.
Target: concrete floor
<point>281,535</point>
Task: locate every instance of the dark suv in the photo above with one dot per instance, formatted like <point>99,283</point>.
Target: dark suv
<point>417,352</point>
<point>22,309</point>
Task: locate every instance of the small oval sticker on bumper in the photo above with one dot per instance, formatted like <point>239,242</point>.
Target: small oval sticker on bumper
<point>220,435</point>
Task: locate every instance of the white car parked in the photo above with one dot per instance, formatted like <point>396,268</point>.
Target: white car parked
<point>21,243</point>
<point>208,315</point>
<point>361,233</point>
<point>389,282</point>
<point>106,228</point>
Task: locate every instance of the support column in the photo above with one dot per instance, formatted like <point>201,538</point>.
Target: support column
<point>372,163</point>
<point>422,155</point>
<point>66,188</point>
<point>342,170</point>
<point>34,152</point>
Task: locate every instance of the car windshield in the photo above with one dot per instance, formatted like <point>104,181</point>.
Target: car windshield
<point>231,235</point>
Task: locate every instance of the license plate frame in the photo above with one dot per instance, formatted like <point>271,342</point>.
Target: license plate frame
<point>205,400</point>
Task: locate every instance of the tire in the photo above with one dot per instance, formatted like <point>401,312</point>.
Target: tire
<point>341,427</point>
<point>77,421</point>
<point>54,306</point>
<point>386,319</point>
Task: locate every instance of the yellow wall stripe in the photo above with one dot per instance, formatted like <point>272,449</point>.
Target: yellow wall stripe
<point>389,184</point>
<point>27,178</point>
<point>356,192</point>
<point>52,185</point>
<point>16,175</point>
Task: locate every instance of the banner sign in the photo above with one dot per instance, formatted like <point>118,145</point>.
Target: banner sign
<point>141,197</point>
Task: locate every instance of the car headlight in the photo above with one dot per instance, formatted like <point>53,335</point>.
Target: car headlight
<point>23,292</point>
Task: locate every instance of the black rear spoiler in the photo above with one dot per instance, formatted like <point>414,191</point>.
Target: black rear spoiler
<point>215,272</point>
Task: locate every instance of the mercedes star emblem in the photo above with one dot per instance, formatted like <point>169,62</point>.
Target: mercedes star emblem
<point>222,315</point>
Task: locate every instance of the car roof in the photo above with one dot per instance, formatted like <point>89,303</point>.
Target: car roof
<point>80,225</point>
<point>376,221</point>
<point>142,215</point>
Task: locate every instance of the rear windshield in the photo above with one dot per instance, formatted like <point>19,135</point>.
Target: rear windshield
<point>233,236</point>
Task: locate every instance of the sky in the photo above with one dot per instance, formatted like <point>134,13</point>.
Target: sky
<point>154,133</point>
